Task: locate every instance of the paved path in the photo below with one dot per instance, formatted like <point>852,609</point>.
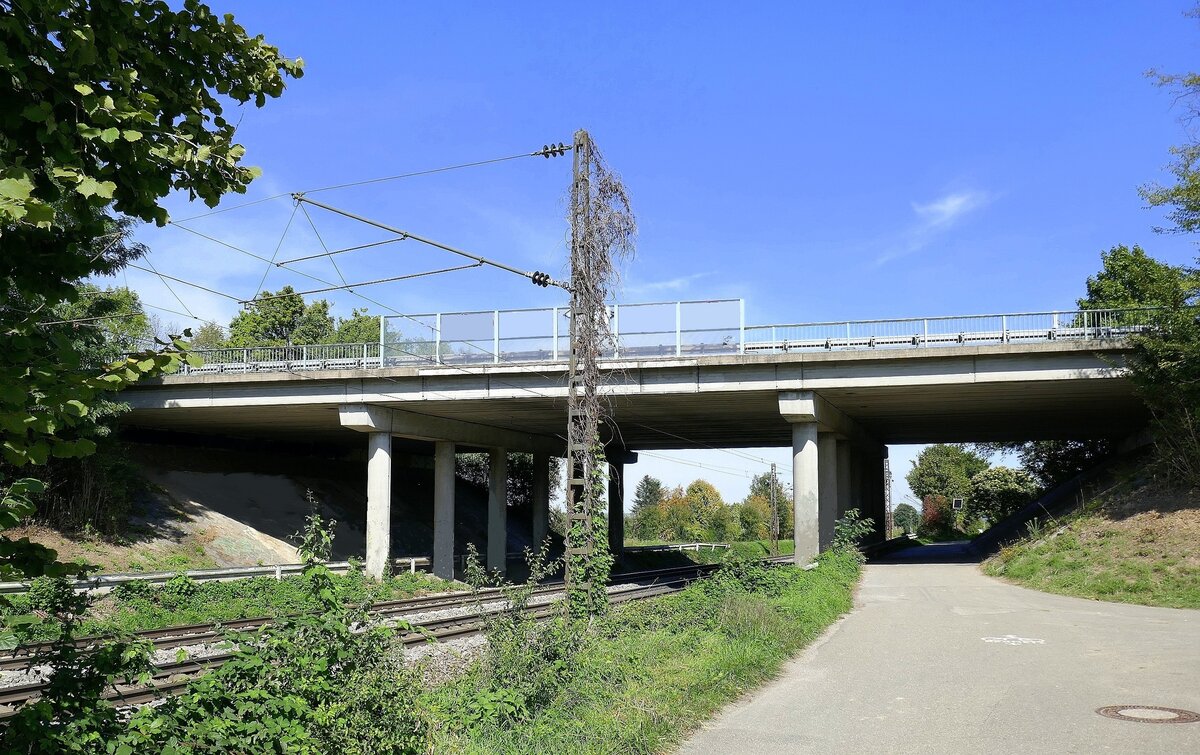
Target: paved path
<point>910,671</point>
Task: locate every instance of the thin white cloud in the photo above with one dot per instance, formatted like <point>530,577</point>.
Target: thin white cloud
<point>670,284</point>
<point>933,219</point>
<point>946,210</point>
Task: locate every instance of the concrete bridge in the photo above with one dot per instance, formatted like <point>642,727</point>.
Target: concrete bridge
<point>836,393</point>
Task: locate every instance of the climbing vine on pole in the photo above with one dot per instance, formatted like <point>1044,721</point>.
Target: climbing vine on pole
<point>603,229</point>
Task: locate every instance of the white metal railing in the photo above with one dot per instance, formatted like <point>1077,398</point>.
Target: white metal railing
<point>106,582</point>
<point>659,330</point>
<point>925,332</point>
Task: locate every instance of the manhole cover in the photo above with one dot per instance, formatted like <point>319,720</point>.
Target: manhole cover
<point>1149,714</point>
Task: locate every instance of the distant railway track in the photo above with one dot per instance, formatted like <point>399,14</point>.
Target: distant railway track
<point>172,678</point>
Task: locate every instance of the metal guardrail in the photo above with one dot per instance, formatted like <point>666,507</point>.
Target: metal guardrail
<point>105,582</point>
<point>658,330</point>
<point>680,547</point>
<point>926,332</point>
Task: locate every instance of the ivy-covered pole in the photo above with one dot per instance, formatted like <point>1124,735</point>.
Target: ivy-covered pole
<point>602,226</point>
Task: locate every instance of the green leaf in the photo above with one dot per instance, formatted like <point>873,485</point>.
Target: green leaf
<point>83,89</point>
<point>130,135</point>
<point>109,135</point>
<point>16,187</point>
<point>90,187</point>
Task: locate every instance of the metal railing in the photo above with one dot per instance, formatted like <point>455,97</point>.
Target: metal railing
<point>926,332</point>
<point>104,582</point>
<point>658,330</point>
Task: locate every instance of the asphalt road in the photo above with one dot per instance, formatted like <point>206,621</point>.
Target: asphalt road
<point>937,658</point>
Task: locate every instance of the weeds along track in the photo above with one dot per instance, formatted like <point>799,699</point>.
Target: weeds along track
<point>477,608</point>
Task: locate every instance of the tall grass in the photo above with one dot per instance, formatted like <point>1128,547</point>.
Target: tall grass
<point>651,671</point>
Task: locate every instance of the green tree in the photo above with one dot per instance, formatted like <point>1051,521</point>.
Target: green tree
<point>760,486</point>
<point>1129,278</point>
<point>724,525</point>
<point>109,106</point>
<point>649,493</point>
<point>1182,195</point>
<point>998,492</point>
<point>645,519</point>
<point>944,470</point>
<point>906,518</point>
<point>755,516</point>
<point>1164,364</point>
<point>360,327</point>
<point>208,336</point>
<point>1053,462</point>
<point>282,319</point>
<point>704,503</point>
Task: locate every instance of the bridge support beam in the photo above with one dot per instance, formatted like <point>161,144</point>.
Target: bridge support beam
<point>617,459</point>
<point>379,503</point>
<point>827,488</point>
<point>541,499</point>
<point>497,520</point>
<point>443,509</point>
<point>845,452</point>
<point>805,487</point>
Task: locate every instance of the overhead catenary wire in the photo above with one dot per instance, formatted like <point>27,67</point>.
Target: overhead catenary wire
<point>331,252</point>
<point>350,286</point>
<point>275,254</point>
<point>549,150</point>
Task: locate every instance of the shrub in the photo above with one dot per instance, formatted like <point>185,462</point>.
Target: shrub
<point>998,492</point>
<point>936,514</point>
<point>136,589</point>
<point>54,595</point>
<point>849,531</point>
<point>178,592</point>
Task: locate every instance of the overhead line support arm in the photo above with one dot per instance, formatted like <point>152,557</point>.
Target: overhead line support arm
<point>536,277</point>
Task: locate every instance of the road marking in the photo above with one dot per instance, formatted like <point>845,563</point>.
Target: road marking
<point>1012,639</point>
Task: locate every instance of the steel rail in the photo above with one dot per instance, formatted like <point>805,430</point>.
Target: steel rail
<point>165,680</point>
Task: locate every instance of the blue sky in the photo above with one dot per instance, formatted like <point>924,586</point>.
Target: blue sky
<point>821,161</point>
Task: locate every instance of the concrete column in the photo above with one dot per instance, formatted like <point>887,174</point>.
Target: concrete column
<point>616,508</point>
<point>827,488</point>
<point>379,503</point>
<point>541,498</point>
<point>443,509</point>
<point>857,470</point>
<point>844,453</point>
<point>805,486</point>
<point>497,542</point>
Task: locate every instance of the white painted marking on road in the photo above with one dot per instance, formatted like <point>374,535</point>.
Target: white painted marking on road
<point>1012,639</point>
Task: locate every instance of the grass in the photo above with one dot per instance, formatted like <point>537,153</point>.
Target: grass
<point>654,670</point>
<point>1127,546</point>
<point>143,606</point>
<point>635,560</point>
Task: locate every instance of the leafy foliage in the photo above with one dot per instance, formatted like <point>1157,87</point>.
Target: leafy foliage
<point>944,470</point>
<point>1000,491</point>
<point>849,531</point>
<point>906,518</point>
<point>1165,362</point>
<point>282,318</point>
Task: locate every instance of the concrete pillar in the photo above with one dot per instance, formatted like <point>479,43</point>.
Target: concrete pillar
<point>827,488</point>
<point>379,503</point>
<point>857,470</point>
<point>497,542</point>
<point>541,498</point>
<point>844,453</point>
<point>805,486</point>
<point>443,509</point>
<point>616,508</point>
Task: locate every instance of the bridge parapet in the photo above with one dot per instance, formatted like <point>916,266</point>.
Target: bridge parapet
<point>660,330</point>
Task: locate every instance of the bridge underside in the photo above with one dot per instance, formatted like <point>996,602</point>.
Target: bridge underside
<point>734,419</point>
<point>837,411</point>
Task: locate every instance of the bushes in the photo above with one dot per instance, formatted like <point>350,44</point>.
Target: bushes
<point>646,673</point>
<point>999,492</point>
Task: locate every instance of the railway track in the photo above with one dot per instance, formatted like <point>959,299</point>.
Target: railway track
<point>172,678</point>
